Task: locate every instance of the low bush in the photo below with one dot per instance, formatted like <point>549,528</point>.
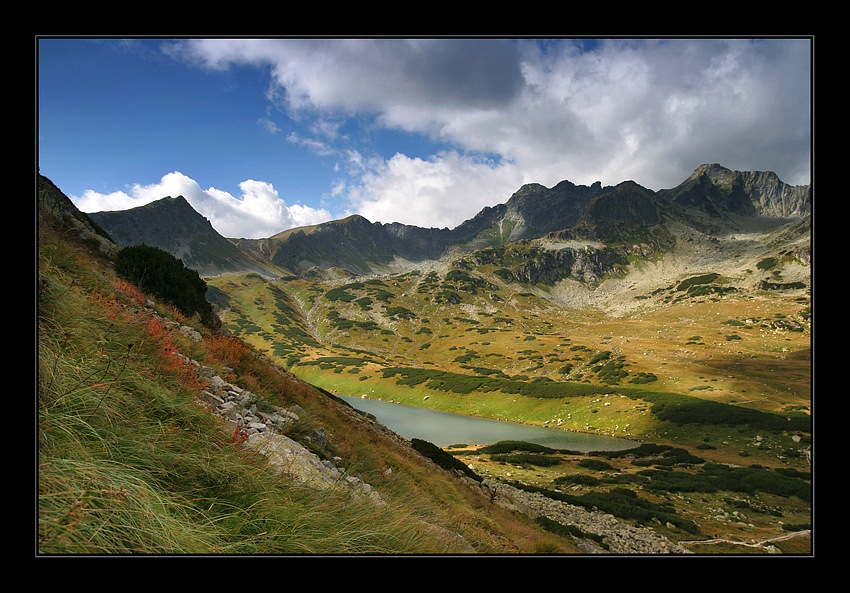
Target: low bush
<point>563,530</point>
<point>511,446</point>
<point>696,280</point>
<point>620,502</point>
<point>443,459</point>
<point>159,273</point>
<point>595,464</point>
<point>527,459</point>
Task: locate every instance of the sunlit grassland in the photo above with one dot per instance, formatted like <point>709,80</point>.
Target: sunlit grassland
<point>370,338</point>
<point>130,462</point>
<point>685,348</point>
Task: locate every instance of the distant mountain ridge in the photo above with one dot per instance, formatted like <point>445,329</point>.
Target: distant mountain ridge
<point>713,200</point>
<point>174,226</point>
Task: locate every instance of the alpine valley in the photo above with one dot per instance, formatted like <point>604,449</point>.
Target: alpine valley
<point>679,318</point>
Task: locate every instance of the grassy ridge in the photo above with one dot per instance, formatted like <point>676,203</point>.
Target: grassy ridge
<point>130,463</point>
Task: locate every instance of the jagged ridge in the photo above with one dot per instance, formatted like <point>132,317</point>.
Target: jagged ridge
<point>626,220</point>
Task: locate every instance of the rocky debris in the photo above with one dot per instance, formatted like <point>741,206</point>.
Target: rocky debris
<point>620,537</point>
<point>263,431</point>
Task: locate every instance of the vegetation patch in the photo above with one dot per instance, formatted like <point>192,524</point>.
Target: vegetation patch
<point>682,409</point>
<point>643,377</point>
<point>572,530</point>
<point>400,313</point>
<point>525,459</point>
<point>767,263</point>
<point>620,502</point>
<point>595,464</point>
<point>331,362</point>
<point>511,446</point>
<point>443,459</point>
<point>697,280</point>
<point>714,477</point>
<point>159,273</point>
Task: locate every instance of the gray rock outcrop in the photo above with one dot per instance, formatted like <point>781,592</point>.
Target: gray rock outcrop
<point>264,431</point>
<point>620,537</point>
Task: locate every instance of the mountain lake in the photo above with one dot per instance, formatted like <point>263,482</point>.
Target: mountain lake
<point>444,429</point>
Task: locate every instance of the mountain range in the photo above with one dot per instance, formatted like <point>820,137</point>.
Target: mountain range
<point>568,231</point>
<point>619,221</point>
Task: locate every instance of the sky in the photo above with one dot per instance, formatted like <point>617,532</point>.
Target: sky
<point>263,135</point>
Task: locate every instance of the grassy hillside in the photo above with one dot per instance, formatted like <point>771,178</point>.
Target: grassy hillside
<point>130,462</point>
<point>704,357</point>
<point>698,365</point>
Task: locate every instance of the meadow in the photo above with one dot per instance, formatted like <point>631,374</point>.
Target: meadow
<point>724,377</point>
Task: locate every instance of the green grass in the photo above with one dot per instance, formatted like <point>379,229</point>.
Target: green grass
<point>130,463</point>
<point>632,377</point>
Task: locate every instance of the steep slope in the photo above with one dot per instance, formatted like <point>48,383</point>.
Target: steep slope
<point>709,375</point>
<point>130,461</point>
<point>717,200</point>
<point>55,210</point>
<point>352,243</point>
<point>174,226</point>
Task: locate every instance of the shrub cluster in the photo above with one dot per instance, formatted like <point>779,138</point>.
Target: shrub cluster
<point>687,410</point>
<point>527,459</point>
<point>595,464</point>
<point>622,503</point>
<point>719,477</point>
<point>463,384</point>
<point>696,280</point>
<point>561,529</point>
<point>443,459</point>
<point>159,273</point>
<point>510,446</point>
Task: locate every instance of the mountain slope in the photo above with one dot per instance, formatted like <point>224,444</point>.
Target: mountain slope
<point>352,243</point>
<point>627,221</point>
<point>130,461</point>
<point>707,376</point>
<point>174,226</point>
<point>718,200</point>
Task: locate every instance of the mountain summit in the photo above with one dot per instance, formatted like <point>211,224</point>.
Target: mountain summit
<point>712,202</point>
<point>174,226</point>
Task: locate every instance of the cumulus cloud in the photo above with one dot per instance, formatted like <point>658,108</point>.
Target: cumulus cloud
<point>438,192</point>
<point>258,212</point>
<point>646,110</point>
<point>399,79</point>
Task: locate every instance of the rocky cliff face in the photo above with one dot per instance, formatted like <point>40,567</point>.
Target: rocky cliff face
<point>715,189</point>
<point>57,211</point>
<point>618,215</point>
<point>174,226</point>
<point>356,244</point>
<point>623,222</point>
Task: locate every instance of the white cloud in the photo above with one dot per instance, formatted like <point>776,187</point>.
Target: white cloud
<point>313,145</point>
<point>268,125</point>
<point>646,110</point>
<point>258,213</point>
<point>439,192</point>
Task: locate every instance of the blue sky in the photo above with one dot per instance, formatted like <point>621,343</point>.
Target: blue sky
<point>263,135</point>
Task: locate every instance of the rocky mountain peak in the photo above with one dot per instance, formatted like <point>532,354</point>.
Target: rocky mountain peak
<point>713,201</point>
<point>719,191</point>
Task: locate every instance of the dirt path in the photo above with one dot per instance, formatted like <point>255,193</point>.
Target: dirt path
<point>759,544</point>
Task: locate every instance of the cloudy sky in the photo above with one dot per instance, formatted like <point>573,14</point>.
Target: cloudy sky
<point>263,135</point>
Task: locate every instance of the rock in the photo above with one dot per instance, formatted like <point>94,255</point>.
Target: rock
<point>620,537</point>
